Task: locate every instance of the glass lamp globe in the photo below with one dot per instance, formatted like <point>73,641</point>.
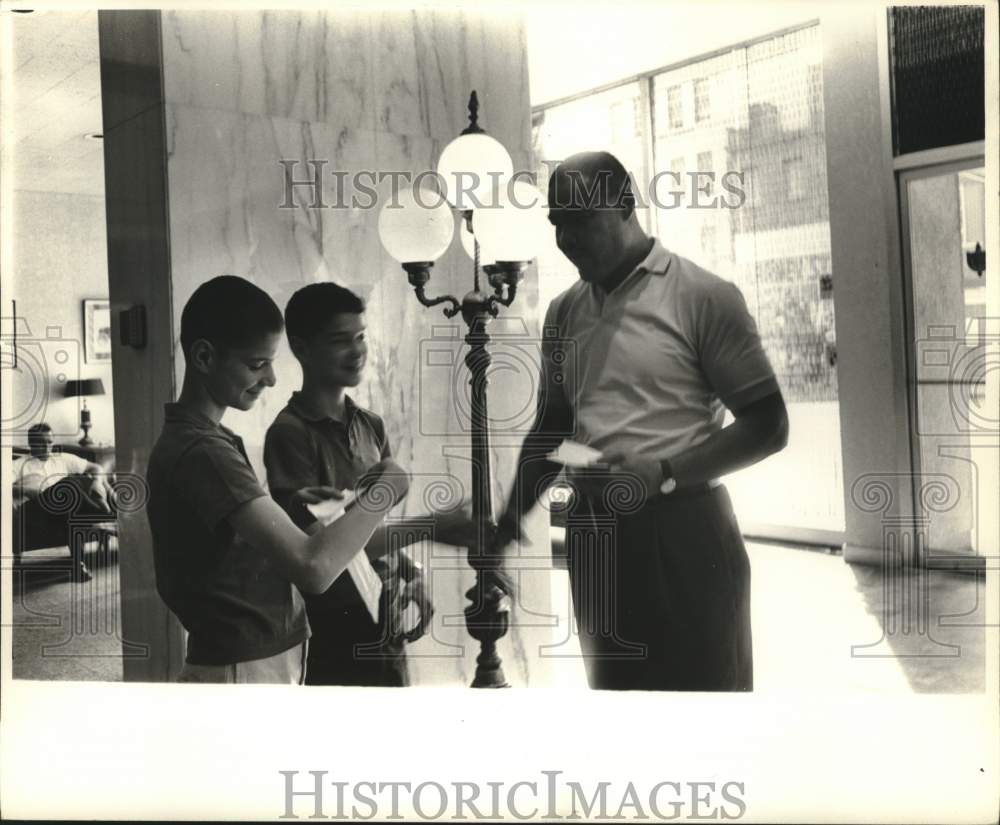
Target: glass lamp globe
<point>417,227</point>
<point>469,242</point>
<point>470,168</point>
<point>516,229</point>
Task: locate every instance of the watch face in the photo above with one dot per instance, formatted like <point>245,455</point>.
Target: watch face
<point>668,486</point>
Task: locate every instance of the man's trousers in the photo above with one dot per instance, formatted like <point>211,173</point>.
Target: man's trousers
<point>662,594</point>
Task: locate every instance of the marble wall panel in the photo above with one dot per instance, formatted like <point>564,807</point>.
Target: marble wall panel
<point>434,59</point>
<point>311,66</point>
<point>367,93</point>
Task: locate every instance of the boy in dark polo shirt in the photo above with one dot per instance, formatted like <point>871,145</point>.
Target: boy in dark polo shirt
<point>226,555</point>
<point>323,438</point>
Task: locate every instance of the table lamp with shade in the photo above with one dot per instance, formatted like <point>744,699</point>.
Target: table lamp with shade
<point>84,388</point>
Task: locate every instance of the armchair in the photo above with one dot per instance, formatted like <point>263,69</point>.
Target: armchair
<point>64,515</point>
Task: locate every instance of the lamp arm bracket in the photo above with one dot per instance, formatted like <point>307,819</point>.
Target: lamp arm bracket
<point>511,294</point>
<point>449,312</point>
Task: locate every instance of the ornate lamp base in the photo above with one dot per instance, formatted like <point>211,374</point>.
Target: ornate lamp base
<point>487,620</point>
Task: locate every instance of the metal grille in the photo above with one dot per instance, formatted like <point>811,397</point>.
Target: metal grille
<point>938,76</point>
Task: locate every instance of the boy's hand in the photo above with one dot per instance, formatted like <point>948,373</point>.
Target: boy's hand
<point>414,591</point>
<point>314,495</point>
<point>510,531</point>
<point>310,495</point>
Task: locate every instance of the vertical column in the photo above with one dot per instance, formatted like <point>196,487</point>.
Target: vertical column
<point>864,239</point>
<point>138,275</point>
<point>907,618</point>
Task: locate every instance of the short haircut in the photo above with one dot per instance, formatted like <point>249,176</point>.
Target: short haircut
<point>312,307</point>
<point>588,181</point>
<point>36,430</point>
<point>228,312</point>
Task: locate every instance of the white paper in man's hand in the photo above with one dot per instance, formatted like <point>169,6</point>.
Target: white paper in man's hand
<point>574,454</point>
<point>360,567</point>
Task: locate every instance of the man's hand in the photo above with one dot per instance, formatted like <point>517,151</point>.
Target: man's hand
<point>99,493</point>
<point>589,481</point>
<point>456,527</point>
<point>647,469</point>
<point>509,531</point>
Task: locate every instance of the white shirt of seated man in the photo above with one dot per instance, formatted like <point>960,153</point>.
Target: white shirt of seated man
<point>35,473</point>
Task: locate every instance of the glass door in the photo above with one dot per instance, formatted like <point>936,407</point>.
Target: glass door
<point>944,229</point>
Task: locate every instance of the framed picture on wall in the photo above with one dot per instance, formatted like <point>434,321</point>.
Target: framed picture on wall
<point>97,331</point>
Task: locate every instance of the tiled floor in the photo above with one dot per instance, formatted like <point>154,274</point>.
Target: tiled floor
<point>64,629</point>
<point>818,626</point>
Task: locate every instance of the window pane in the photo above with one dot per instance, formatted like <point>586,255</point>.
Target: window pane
<point>703,148</point>
<point>795,179</point>
<point>701,101</point>
<point>674,110</point>
<point>766,128</point>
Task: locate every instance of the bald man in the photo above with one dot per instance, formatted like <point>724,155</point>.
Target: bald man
<point>641,359</point>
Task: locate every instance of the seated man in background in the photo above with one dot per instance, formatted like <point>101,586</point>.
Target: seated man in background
<point>40,495</point>
<point>322,438</point>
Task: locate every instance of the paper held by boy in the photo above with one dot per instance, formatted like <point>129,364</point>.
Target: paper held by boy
<point>360,567</point>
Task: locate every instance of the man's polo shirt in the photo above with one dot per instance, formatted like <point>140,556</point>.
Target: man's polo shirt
<point>652,365</point>
<point>304,448</point>
<point>233,602</point>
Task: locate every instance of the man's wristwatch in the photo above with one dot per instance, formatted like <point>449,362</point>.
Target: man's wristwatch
<point>669,483</point>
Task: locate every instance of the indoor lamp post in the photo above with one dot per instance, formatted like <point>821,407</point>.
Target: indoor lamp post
<point>500,238</point>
